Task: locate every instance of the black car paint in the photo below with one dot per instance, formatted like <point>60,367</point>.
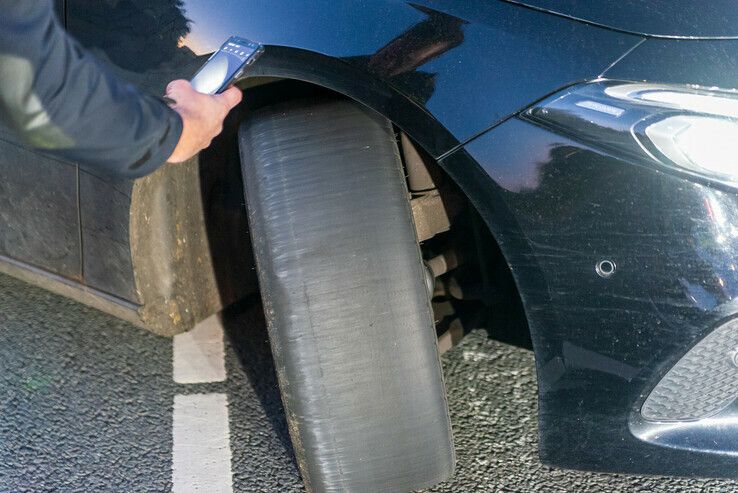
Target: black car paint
<point>654,18</point>
<point>429,56</point>
<point>706,63</point>
<point>555,206</point>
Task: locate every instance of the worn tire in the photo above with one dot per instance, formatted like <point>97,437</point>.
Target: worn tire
<point>343,289</point>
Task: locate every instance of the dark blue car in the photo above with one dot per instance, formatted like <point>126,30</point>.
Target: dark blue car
<point>562,172</point>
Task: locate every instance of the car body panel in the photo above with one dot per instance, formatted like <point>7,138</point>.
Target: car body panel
<point>660,18</point>
<point>104,221</point>
<point>705,63</point>
<point>557,208</point>
<point>39,217</point>
<point>461,64</point>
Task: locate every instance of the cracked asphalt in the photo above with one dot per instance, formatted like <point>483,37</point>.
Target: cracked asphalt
<point>86,405</point>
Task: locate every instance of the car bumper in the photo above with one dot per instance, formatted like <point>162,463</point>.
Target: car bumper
<point>558,209</point>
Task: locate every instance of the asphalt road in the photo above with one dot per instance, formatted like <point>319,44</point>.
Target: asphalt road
<point>86,405</point>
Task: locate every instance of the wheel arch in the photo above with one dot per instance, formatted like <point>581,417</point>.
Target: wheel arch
<point>334,74</point>
<point>174,249</point>
<point>177,267</point>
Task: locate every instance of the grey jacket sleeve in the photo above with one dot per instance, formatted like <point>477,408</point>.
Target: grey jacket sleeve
<point>61,100</point>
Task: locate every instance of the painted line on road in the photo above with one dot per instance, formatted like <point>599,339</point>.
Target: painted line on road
<point>201,449</point>
<point>201,455</point>
<point>198,355</point>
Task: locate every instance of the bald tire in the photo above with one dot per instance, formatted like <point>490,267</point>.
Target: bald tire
<point>345,299</point>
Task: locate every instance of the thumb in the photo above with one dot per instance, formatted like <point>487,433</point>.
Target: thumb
<point>230,97</point>
<point>179,86</point>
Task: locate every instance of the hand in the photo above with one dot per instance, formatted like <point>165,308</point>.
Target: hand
<point>202,117</point>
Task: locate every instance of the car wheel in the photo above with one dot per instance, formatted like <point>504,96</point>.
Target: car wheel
<point>345,297</point>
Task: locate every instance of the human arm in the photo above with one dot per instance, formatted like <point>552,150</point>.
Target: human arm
<point>61,100</point>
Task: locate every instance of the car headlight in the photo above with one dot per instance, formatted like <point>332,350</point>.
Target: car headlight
<point>692,129</point>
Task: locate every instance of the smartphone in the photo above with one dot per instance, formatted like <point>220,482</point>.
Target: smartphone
<point>226,65</point>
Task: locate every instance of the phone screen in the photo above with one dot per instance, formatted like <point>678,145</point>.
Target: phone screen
<point>225,65</point>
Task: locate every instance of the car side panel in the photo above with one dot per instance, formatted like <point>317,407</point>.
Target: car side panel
<point>662,18</point>
<point>39,222</point>
<point>104,215</point>
<point>460,64</point>
<point>705,63</point>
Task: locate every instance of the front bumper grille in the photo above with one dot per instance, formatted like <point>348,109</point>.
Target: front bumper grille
<point>701,384</point>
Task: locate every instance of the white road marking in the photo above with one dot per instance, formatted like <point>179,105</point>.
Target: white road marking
<point>201,459</point>
<point>198,355</point>
<point>201,452</point>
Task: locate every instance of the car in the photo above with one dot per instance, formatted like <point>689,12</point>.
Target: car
<point>400,172</point>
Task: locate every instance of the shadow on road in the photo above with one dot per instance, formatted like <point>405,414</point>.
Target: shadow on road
<point>245,329</point>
